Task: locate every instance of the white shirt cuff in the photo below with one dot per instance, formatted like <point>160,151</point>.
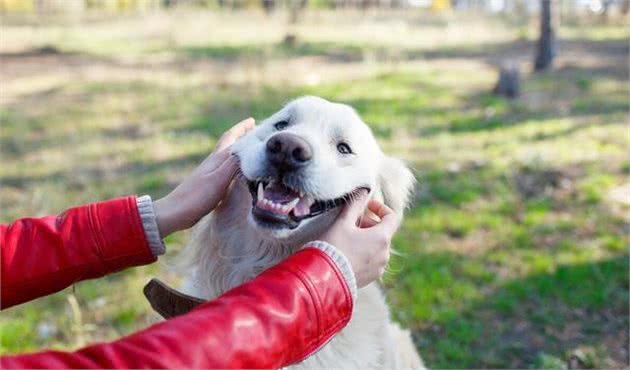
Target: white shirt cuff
<point>151,231</point>
<point>342,263</point>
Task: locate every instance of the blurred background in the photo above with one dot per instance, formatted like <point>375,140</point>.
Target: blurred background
<point>513,114</point>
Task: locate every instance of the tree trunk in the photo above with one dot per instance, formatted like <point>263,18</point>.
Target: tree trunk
<point>546,43</point>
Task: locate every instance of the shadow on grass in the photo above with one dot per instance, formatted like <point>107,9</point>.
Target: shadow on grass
<point>149,175</point>
<point>485,112</point>
<point>231,106</point>
<point>36,52</point>
<point>334,51</point>
<point>492,52</point>
<point>416,109</point>
<point>610,52</point>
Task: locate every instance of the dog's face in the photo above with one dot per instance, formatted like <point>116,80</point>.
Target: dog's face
<point>308,159</point>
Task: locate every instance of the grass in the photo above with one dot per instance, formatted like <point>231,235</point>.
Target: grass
<point>514,252</point>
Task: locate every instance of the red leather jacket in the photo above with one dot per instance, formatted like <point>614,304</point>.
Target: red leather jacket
<point>284,315</point>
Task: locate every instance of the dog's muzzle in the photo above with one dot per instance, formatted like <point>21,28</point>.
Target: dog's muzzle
<point>277,205</point>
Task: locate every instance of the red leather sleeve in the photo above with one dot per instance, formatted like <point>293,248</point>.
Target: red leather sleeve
<point>41,256</point>
<point>285,314</point>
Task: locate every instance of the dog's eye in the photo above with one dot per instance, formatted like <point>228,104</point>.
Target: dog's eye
<point>344,148</point>
<point>281,125</point>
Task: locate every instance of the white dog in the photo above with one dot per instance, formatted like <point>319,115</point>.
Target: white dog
<point>297,167</point>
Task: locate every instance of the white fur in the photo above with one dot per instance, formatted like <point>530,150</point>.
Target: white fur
<point>228,246</point>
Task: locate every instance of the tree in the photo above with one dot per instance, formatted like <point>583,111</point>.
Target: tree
<point>546,43</point>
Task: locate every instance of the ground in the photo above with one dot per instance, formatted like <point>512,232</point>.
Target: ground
<point>515,250</point>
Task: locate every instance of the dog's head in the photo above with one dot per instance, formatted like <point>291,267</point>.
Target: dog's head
<point>308,159</point>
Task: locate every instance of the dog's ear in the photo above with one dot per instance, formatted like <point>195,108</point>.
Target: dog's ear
<point>396,184</point>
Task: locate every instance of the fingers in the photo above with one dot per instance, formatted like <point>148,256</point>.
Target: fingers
<point>373,214</point>
<point>231,135</point>
<point>379,209</point>
<point>367,220</point>
<point>389,224</point>
<point>389,221</point>
<point>353,210</point>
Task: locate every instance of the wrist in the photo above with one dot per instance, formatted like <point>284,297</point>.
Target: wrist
<point>340,260</point>
<point>179,211</point>
<point>165,216</point>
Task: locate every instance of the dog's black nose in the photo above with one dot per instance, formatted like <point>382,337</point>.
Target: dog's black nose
<point>288,152</point>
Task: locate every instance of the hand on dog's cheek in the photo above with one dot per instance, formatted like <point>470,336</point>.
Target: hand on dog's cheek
<point>364,240</point>
<point>204,188</point>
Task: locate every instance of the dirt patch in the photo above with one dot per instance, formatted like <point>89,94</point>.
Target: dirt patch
<point>534,182</point>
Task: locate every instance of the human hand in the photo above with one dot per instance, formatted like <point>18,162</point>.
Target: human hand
<point>364,240</point>
<point>203,189</point>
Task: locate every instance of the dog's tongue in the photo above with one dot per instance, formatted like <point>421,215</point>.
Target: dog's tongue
<point>279,193</point>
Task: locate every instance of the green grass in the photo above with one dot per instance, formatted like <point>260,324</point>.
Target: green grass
<point>513,253</point>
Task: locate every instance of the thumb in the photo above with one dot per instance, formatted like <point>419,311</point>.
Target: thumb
<point>353,210</point>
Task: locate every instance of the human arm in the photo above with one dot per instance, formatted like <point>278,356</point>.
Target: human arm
<point>279,318</point>
<point>41,256</point>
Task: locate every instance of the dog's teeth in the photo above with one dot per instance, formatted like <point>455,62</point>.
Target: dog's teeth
<point>260,191</point>
<point>298,212</point>
<point>310,201</point>
<point>304,206</point>
<point>292,204</point>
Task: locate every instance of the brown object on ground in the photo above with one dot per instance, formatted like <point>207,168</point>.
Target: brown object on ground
<point>290,40</point>
<point>509,84</point>
<point>167,301</point>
